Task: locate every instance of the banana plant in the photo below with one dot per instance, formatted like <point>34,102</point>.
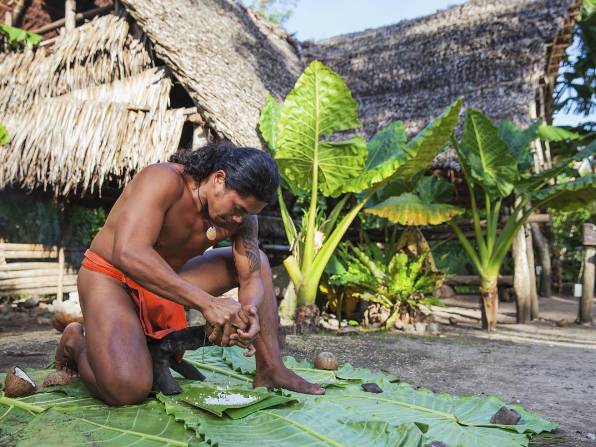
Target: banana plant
<point>303,133</point>
<point>494,160</point>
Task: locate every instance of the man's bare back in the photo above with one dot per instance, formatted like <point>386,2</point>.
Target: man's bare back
<point>156,234</point>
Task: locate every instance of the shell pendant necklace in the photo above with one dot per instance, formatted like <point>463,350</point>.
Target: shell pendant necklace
<point>211,232</point>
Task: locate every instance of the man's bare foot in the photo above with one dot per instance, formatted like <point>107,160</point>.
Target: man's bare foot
<point>71,344</point>
<point>282,377</point>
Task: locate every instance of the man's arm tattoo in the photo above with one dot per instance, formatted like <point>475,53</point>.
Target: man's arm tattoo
<point>251,244</point>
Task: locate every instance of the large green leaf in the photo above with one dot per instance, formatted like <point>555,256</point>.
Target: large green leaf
<point>269,122</point>
<point>554,133</point>
<point>519,142</point>
<point>409,209</point>
<point>345,416</point>
<point>569,196</point>
<point>490,162</point>
<point>315,422</point>
<point>145,425</point>
<point>405,162</point>
<point>235,402</point>
<point>319,105</point>
<point>530,183</point>
<point>452,420</point>
<point>386,144</point>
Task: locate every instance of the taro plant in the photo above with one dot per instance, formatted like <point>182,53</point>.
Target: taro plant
<point>386,278</point>
<point>495,161</point>
<point>307,136</point>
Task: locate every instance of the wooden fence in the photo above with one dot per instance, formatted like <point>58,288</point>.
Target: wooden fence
<point>35,269</point>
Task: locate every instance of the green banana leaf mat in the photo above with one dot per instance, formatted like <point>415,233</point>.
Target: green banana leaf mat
<point>225,410</point>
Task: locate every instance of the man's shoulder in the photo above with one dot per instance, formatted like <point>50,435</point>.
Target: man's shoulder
<point>166,177</point>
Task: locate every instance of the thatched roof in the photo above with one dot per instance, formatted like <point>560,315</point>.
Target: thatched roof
<point>89,108</point>
<point>493,52</point>
<point>226,58</point>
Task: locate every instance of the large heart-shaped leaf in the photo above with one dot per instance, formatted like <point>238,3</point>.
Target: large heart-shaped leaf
<point>319,105</point>
<point>405,161</point>
<point>569,196</point>
<point>519,142</point>
<point>314,422</point>
<point>532,182</point>
<point>345,416</point>
<point>145,425</point>
<point>554,133</point>
<point>409,209</point>
<point>491,164</point>
<point>235,402</point>
<point>269,122</point>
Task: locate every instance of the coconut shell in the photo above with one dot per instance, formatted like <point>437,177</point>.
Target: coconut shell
<point>18,383</point>
<point>59,377</point>
<point>325,360</point>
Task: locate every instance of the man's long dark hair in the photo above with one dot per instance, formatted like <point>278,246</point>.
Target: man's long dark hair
<point>249,171</point>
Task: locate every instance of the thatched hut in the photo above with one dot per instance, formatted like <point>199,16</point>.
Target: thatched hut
<point>103,100</point>
<point>502,56</point>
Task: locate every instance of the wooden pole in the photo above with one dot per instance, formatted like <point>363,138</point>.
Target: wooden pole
<point>70,22</point>
<point>521,276</point>
<point>532,270</point>
<point>80,16</point>
<point>587,299</point>
<point>8,18</point>
<point>60,290</point>
<point>541,243</point>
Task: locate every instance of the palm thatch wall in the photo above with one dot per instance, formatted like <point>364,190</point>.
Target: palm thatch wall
<point>226,58</point>
<point>493,52</point>
<point>89,108</point>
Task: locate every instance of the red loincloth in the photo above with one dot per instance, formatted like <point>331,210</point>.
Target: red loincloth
<point>158,315</point>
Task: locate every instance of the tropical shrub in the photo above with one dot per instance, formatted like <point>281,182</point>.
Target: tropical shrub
<point>302,134</point>
<point>392,279</point>
<point>495,163</point>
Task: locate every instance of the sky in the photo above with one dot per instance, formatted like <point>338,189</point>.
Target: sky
<point>319,19</point>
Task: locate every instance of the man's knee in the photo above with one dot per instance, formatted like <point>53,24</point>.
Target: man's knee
<point>126,387</point>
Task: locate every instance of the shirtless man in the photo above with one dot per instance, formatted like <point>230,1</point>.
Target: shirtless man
<point>148,263</point>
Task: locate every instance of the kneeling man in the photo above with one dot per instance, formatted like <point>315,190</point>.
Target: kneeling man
<point>148,263</point>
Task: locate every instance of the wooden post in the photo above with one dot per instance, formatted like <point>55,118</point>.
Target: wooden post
<point>521,275</point>
<point>532,271</point>
<point>60,289</point>
<point>589,242</point>
<point>70,12</point>
<point>541,243</point>
<point>8,17</point>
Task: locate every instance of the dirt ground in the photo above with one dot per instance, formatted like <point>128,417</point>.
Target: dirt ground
<point>546,368</point>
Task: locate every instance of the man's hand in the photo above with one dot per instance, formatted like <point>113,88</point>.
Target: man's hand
<point>244,337</point>
<point>222,316</point>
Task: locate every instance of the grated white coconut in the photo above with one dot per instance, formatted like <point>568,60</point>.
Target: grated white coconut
<point>224,398</point>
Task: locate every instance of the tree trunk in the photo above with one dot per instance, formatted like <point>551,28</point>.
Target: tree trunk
<point>489,303</point>
<point>541,243</point>
<point>521,278</point>
<point>532,271</point>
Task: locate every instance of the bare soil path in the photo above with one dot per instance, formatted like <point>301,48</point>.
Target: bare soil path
<point>546,368</point>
